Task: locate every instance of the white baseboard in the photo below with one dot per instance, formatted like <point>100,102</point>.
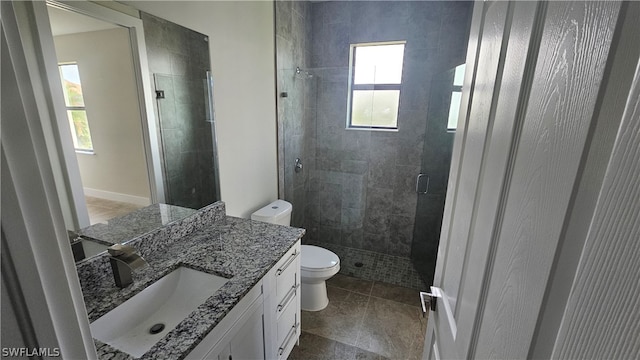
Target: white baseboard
<point>113,196</point>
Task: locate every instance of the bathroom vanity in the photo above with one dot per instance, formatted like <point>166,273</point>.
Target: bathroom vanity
<point>255,313</point>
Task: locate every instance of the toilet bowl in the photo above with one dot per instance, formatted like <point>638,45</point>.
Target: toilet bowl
<point>317,264</point>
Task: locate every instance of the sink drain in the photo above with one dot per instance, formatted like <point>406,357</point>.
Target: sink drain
<point>156,328</point>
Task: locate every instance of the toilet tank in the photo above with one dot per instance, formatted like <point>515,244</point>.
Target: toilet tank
<point>278,212</point>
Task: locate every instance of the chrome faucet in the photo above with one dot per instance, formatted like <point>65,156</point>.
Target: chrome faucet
<point>124,260</point>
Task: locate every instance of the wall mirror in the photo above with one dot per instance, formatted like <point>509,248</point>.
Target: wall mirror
<point>138,126</point>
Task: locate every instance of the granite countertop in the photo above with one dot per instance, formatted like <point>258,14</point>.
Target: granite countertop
<point>240,249</point>
<point>134,224</point>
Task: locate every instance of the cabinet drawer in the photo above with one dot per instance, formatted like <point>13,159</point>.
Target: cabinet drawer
<point>287,275</point>
<point>288,329</point>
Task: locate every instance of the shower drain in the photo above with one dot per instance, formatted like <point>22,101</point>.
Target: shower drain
<point>156,328</point>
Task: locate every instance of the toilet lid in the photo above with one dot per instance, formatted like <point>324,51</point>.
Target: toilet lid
<point>314,257</point>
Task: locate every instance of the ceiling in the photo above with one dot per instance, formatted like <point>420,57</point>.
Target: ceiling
<point>65,22</point>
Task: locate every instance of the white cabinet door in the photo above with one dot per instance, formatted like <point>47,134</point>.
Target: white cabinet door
<point>248,342</point>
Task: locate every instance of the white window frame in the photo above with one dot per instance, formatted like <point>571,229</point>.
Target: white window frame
<point>352,87</point>
<point>76,108</point>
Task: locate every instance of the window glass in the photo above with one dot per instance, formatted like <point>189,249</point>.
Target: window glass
<point>71,85</point>
<point>375,85</point>
<point>376,108</point>
<point>76,111</point>
<point>454,110</point>
<point>378,64</point>
<point>456,98</point>
<point>458,77</point>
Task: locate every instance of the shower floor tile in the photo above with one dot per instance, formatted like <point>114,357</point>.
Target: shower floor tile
<point>364,320</point>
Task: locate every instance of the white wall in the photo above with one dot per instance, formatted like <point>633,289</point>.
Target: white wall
<point>118,167</point>
<point>241,35</point>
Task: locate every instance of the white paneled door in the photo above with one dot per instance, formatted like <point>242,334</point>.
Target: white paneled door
<point>534,74</point>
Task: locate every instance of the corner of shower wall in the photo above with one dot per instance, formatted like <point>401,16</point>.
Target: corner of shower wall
<point>294,105</point>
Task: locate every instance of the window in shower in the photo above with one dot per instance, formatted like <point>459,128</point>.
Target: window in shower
<point>76,111</point>
<point>456,98</point>
<point>375,75</point>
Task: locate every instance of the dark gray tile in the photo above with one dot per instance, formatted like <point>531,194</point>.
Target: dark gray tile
<point>330,197</point>
<point>354,192</point>
<point>283,18</point>
<point>381,173</point>
<point>379,203</point>
<point>333,12</point>
<point>350,283</point>
<point>354,166</point>
<point>298,7</point>
<point>329,234</point>
<point>400,235</point>
<point>328,159</point>
<point>404,203</point>
<point>317,347</point>
<point>356,144</point>
<point>396,293</point>
<point>341,319</point>
<point>314,347</point>
<point>390,328</point>
<point>352,218</point>
<point>330,137</point>
<point>284,51</point>
<point>375,241</point>
<point>180,65</point>
<point>352,237</point>
<point>405,180</point>
<point>423,27</point>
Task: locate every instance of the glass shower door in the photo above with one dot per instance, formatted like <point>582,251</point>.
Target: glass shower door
<point>187,136</point>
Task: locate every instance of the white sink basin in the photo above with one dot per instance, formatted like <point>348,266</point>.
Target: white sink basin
<point>168,301</point>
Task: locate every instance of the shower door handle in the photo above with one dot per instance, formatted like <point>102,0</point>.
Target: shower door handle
<point>422,184</point>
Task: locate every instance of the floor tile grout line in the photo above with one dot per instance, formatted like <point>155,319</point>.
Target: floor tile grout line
<point>361,326</point>
<point>343,343</point>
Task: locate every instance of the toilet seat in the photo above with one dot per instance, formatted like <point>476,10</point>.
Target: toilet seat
<point>317,259</point>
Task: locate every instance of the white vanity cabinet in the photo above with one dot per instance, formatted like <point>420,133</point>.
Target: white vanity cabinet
<point>265,324</point>
<point>239,335</point>
<point>282,305</point>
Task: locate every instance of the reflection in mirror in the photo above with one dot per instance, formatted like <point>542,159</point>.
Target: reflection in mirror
<point>178,63</point>
<point>107,122</point>
<point>103,111</point>
<point>95,239</point>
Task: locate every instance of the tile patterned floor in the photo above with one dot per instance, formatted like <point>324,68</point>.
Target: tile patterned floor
<point>101,210</point>
<point>364,320</point>
<point>376,266</point>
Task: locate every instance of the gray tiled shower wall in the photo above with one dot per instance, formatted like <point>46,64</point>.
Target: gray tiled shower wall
<point>178,61</point>
<point>358,187</point>
<point>296,103</point>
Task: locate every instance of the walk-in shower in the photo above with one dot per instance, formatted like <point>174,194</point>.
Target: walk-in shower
<point>356,194</point>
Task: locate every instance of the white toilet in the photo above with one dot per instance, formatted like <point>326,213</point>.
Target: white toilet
<point>317,264</point>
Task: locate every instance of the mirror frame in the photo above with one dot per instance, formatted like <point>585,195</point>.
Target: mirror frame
<point>74,196</point>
